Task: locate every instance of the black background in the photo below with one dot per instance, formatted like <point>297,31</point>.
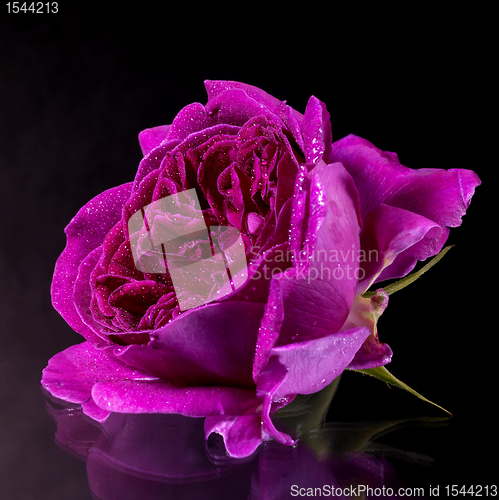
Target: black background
<point>77,86</point>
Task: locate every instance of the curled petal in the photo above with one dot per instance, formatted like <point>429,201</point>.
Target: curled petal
<point>314,364</point>
<point>440,195</point>
<point>393,240</point>
<point>71,374</point>
<point>241,434</point>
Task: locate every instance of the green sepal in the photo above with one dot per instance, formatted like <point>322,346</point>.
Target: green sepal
<point>384,375</point>
<point>398,285</point>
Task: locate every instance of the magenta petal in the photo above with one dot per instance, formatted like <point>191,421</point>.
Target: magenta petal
<point>270,328</point>
<point>212,345</point>
<point>372,353</point>
<point>291,118</point>
<point>269,382</point>
<point>314,364</point>
<point>85,232</point>
<point>82,293</point>
<point>71,374</point>
<point>232,107</point>
<point>156,396</point>
<point>216,87</point>
<point>317,136</point>
<point>152,161</point>
<point>93,411</point>
<point>439,195</point>
<point>242,434</point>
<point>390,232</point>
<point>318,292</point>
<point>151,138</point>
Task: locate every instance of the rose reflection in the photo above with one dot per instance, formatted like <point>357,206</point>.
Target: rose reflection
<point>165,456</point>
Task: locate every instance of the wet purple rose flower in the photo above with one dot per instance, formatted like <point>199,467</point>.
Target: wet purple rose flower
<point>317,223</point>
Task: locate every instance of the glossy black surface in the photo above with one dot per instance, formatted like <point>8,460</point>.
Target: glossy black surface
<point>76,87</point>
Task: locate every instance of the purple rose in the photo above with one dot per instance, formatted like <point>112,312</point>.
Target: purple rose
<point>288,230</point>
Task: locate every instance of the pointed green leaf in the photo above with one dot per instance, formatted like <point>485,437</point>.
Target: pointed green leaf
<point>398,285</point>
<point>383,374</point>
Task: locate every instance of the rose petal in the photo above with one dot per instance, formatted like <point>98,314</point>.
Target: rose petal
<point>71,374</point>
<point>317,134</point>
<point>439,195</point>
<point>269,382</point>
<point>300,368</point>
<point>135,396</point>
<point>392,233</point>
<point>85,232</point>
<point>151,138</point>
<point>152,161</point>
<point>242,434</point>
<point>318,292</point>
<point>314,364</point>
<point>212,345</point>
<point>270,328</point>
<point>217,87</point>
<point>287,170</point>
<point>82,292</point>
<point>232,107</point>
<point>291,118</point>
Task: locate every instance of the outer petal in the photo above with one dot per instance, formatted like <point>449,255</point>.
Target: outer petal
<point>418,199</point>
<point>82,292</point>
<point>151,138</point>
<point>85,232</point>
<point>216,87</point>
<point>394,234</point>
<point>299,368</point>
<point>439,195</point>
<point>242,434</point>
<point>71,374</point>
<point>314,364</point>
<point>134,396</point>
